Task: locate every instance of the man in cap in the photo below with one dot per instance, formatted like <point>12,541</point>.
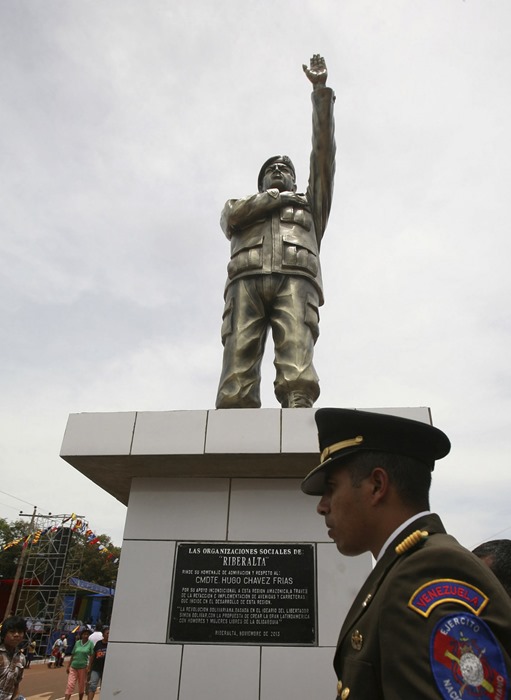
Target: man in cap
<point>431,620</point>
<point>274,275</point>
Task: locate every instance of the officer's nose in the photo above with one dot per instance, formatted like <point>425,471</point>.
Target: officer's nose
<point>322,507</point>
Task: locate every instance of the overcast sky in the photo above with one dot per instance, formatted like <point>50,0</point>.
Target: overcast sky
<point>125,127</point>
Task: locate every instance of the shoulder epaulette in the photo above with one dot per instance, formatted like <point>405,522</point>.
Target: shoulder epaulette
<point>411,541</point>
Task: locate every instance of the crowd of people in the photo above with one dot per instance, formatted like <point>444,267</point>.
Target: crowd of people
<point>84,668</point>
<point>86,662</point>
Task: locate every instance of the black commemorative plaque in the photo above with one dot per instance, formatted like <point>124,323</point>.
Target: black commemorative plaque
<point>234,593</point>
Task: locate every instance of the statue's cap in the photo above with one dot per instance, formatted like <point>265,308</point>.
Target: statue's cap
<point>344,432</point>
<point>274,159</point>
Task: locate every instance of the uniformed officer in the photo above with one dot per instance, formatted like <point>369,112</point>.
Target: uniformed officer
<point>431,621</point>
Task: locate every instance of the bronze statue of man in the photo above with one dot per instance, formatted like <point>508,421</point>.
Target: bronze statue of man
<point>274,274</point>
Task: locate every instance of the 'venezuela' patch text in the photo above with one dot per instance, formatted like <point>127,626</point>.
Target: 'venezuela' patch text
<point>439,591</point>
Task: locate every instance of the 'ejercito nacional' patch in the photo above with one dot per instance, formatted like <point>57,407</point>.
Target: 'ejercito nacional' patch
<point>466,659</point>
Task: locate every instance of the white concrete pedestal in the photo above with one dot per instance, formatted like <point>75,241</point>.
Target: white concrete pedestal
<point>211,476</point>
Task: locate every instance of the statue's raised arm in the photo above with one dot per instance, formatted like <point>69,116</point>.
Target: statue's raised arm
<point>322,161</point>
<point>274,274</point>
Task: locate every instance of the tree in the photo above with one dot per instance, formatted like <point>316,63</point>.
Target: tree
<point>9,532</point>
<point>97,567</point>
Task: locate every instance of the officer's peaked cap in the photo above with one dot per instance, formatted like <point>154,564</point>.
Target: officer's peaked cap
<point>344,432</point>
<point>274,159</point>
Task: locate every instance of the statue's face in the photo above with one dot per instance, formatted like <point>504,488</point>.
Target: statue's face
<point>279,175</point>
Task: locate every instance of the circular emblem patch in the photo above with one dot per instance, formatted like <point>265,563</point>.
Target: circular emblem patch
<point>466,659</point>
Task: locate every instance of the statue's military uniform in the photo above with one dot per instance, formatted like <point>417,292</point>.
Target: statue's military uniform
<point>274,278</point>
<point>431,622</point>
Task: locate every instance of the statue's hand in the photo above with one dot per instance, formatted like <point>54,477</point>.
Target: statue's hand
<point>294,199</point>
<point>287,198</point>
<point>317,72</point>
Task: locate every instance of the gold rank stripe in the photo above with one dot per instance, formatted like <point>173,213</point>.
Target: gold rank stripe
<point>352,442</point>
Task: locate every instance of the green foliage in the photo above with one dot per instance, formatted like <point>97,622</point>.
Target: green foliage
<point>95,566</point>
<point>10,531</point>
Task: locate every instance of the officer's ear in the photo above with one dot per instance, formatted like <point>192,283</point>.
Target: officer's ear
<point>379,484</point>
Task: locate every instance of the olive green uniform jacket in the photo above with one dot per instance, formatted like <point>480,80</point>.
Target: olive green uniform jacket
<point>394,626</point>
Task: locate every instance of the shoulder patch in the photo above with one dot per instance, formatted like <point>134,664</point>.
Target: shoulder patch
<point>447,590</point>
<point>466,659</point>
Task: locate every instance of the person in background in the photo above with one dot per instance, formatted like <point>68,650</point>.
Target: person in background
<point>31,649</point>
<point>496,554</point>
<point>97,634</point>
<point>56,658</point>
<point>12,659</point>
<point>63,650</point>
<point>78,664</point>
<point>97,663</point>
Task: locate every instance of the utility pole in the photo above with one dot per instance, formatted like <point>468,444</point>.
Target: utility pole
<point>19,568</point>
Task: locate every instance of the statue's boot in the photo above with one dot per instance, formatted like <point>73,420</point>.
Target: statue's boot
<point>298,399</point>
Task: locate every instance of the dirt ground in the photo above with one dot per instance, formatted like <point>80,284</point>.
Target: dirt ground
<point>43,683</point>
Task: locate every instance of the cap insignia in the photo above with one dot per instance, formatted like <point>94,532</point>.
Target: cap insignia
<point>352,442</point>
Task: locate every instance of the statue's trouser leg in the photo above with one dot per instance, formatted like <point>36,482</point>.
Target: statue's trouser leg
<point>244,329</point>
<point>295,327</point>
